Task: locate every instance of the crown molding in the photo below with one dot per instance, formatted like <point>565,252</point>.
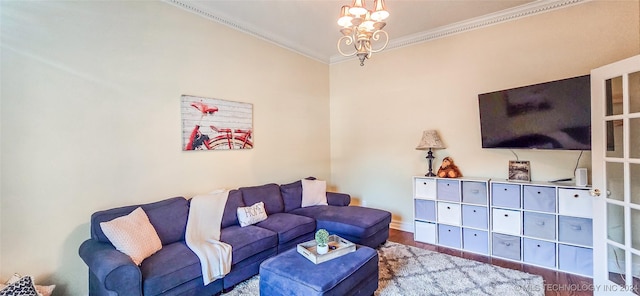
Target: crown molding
<point>518,12</point>
<point>251,30</point>
<point>533,8</point>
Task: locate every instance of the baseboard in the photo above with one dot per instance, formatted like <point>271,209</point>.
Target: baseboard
<point>404,226</point>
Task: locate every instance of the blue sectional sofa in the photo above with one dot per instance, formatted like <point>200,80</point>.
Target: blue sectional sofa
<point>175,269</point>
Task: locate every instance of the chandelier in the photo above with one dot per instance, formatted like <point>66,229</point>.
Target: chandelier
<point>361,27</point>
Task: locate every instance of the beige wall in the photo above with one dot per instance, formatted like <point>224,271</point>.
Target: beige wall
<point>377,120</point>
<point>91,119</point>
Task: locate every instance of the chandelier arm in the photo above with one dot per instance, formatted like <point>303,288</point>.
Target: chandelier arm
<point>376,36</point>
<point>348,40</point>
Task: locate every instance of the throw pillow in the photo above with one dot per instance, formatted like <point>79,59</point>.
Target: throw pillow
<point>23,287</point>
<point>314,192</point>
<point>43,290</point>
<point>251,215</point>
<point>133,235</point>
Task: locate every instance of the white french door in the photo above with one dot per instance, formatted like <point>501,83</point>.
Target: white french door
<point>615,119</point>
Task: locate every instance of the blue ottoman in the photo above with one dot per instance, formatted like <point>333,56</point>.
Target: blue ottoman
<point>289,273</point>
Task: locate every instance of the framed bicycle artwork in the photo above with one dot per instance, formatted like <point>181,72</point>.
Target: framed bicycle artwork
<point>215,124</point>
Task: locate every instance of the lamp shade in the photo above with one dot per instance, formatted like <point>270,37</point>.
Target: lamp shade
<point>430,139</point>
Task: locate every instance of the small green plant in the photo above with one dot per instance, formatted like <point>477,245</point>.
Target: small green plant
<point>322,237</point>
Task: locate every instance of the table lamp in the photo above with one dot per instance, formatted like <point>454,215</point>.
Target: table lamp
<point>430,140</point>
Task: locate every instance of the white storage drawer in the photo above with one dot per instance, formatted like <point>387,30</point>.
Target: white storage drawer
<point>539,198</point>
<point>505,195</point>
<point>575,259</point>
<point>575,202</point>
<point>449,236</point>
<point>475,216</point>
<point>475,241</point>
<point>539,252</point>
<point>449,213</point>
<point>474,192</point>
<point>539,225</point>
<point>506,246</point>
<point>425,188</point>
<point>507,221</point>
<point>425,232</point>
<point>425,209</point>
<point>448,190</point>
<point>575,230</point>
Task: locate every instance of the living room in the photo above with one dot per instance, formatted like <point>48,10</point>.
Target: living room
<point>90,112</point>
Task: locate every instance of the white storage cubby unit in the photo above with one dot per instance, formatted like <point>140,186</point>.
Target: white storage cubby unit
<point>542,224</point>
<point>452,212</point>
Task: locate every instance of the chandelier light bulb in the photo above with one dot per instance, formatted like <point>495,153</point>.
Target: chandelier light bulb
<point>357,8</point>
<point>380,12</point>
<point>345,17</point>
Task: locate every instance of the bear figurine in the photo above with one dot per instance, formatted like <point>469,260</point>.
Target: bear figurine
<point>448,169</point>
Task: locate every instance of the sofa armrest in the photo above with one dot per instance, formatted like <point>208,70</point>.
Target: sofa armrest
<point>114,270</point>
<point>338,199</point>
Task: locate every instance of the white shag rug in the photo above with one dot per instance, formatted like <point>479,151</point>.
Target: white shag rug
<point>407,270</point>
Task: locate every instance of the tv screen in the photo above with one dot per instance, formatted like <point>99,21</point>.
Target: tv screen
<point>551,115</point>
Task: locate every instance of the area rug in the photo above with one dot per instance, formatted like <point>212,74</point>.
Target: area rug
<point>407,270</point>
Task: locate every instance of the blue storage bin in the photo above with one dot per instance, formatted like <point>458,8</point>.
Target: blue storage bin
<point>540,225</point>
<point>539,198</point>
<point>575,230</point>
<point>425,209</point>
<point>449,236</point>
<point>474,192</point>
<point>575,259</point>
<point>505,195</point>
<point>475,216</point>
<point>539,252</point>
<point>448,190</point>
<point>475,241</point>
<point>506,246</point>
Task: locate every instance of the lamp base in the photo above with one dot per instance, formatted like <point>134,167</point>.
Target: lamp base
<point>430,157</point>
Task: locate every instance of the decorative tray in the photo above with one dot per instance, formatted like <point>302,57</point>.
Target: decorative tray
<point>337,247</point>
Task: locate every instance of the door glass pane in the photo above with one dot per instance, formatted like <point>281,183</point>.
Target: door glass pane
<point>635,231</point>
<point>635,183</point>
<point>636,274</point>
<point>615,223</point>
<point>634,140</point>
<point>614,96</point>
<point>615,147</point>
<point>634,92</point>
<point>616,264</point>
<point>615,177</point>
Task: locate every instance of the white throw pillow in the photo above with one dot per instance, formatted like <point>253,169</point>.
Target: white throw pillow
<point>314,192</point>
<point>42,290</point>
<point>251,215</point>
<point>133,235</point>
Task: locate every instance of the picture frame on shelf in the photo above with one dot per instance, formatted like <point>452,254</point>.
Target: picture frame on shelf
<point>519,170</point>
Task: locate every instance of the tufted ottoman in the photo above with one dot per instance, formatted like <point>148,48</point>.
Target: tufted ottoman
<point>289,273</point>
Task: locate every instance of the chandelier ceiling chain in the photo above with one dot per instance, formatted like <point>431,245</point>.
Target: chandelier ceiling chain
<point>361,27</point>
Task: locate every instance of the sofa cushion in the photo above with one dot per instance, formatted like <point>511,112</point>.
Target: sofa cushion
<point>353,220</point>
<point>170,267</point>
<point>268,193</point>
<point>234,201</point>
<point>248,241</point>
<point>291,195</point>
<point>168,217</point>
<point>288,226</point>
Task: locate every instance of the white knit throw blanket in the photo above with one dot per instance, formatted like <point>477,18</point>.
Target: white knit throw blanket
<point>203,235</point>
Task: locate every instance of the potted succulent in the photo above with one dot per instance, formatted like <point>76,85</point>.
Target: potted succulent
<point>322,241</point>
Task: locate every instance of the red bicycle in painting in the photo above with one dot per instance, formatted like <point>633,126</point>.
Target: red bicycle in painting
<point>226,139</point>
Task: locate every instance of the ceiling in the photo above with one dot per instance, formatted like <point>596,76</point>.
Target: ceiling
<point>309,26</point>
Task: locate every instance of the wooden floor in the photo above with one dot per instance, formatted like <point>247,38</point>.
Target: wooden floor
<point>556,283</point>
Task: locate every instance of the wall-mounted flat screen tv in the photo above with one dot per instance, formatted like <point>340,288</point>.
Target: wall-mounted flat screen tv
<point>550,115</point>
